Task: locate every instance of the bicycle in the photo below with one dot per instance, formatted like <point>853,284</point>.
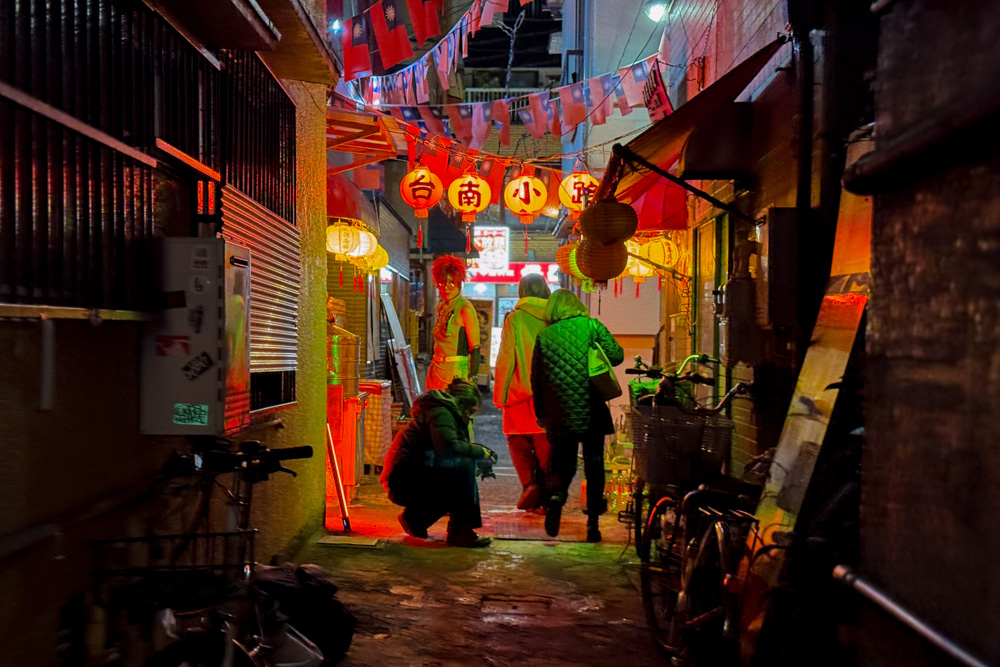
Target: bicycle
<point>191,597</point>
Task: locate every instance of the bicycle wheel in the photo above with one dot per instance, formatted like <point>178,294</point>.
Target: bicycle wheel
<point>660,553</point>
<point>639,501</point>
<point>705,606</point>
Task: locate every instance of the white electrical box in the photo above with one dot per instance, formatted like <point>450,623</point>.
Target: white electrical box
<point>195,357</point>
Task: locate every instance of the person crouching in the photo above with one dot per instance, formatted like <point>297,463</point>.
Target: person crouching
<point>430,469</point>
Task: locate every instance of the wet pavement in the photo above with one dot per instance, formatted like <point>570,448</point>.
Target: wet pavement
<point>525,600</point>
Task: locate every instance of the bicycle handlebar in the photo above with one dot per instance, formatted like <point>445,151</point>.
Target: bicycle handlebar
<point>288,453</point>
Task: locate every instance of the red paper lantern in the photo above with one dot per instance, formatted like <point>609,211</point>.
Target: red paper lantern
<point>469,194</point>
<point>421,189</point>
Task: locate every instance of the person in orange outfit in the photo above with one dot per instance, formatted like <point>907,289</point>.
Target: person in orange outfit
<point>528,443</point>
<point>456,327</point>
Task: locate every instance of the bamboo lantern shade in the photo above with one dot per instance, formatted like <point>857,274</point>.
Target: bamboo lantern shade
<point>609,222</point>
<point>601,262</point>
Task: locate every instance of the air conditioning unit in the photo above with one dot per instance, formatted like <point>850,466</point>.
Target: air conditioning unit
<point>195,355</point>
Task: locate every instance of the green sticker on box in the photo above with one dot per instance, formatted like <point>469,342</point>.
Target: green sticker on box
<point>190,414</point>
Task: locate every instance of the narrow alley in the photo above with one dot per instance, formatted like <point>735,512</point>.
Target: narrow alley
<point>527,599</point>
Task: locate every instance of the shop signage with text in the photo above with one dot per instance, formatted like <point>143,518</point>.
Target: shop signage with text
<point>514,272</point>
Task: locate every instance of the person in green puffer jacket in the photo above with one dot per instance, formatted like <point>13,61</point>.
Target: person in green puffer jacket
<point>431,466</point>
<point>569,407</point>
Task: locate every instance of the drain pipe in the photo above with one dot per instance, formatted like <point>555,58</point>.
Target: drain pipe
<point>807,77</point>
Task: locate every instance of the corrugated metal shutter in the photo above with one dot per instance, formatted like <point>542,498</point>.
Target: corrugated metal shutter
<point>395,238</point>
<point>276,277</point>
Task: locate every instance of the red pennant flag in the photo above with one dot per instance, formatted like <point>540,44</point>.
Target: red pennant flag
<point>464,35</point>
<point>633,79</point>
<point>390,33</point>
<point>420,83</point>
<point>475,14</point>
<point>574,108</point>
<point>492,172</point>
<point>536,128</point>
<point>490,8</point>
<point>501,118</point>
<point>442,61</point>
<point>620,100</point>
<point>543,113</point>
<point>369,176</point>
<point>433,121</point>
<point>482,124</point>
<point>601,104</point>
<point>460,116</point>
<point>409,90</point>
<point>553,113</point>
<point>354,40</point>
<point>435,156</point>
<point>423,20</point>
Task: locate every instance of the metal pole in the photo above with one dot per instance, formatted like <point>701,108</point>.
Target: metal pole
<point>332,453</point>
<point>848,576</point>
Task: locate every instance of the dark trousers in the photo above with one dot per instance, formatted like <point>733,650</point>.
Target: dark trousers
<point>430,493</point>
<point>563,468</point>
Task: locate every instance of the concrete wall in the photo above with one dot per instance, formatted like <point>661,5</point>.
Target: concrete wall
<point>931,488</point>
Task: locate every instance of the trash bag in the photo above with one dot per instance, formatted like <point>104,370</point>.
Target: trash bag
<point>305,598</point>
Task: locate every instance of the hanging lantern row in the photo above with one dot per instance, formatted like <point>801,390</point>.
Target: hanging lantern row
<point>350,242</point>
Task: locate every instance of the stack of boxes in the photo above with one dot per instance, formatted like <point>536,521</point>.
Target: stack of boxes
<point>378,420</point>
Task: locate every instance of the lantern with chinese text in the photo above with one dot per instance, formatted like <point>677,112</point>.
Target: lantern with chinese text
<point>638,269</point>
<point>525,195</point>
<point>421,189</point>
<point>374,262</point>
<point>341,239</point>
<point>661,251</point>
<point>609,222</point>
<point>469,194</point>
<point>601,262</point>
<point>576,191</point>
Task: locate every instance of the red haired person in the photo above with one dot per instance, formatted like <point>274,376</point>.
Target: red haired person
<point>456,327</point>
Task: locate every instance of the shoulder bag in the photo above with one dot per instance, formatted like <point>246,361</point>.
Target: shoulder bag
<point>602,375</point>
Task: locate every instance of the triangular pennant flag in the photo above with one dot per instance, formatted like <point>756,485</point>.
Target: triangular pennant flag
<point>460,116</point>
<point>574,108</point>
<point>432,120</point>
<point>354,41</point>
<point>501,118</point>
<point>390,33</point>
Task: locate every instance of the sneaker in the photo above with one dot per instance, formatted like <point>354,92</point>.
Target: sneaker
<point>410,530</point>
<point>469,540</point>
<point>530,497</point>
<point>553,515</point>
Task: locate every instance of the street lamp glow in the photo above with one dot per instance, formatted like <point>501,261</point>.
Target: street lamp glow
<point>335,25</point>
<point>655,10</point>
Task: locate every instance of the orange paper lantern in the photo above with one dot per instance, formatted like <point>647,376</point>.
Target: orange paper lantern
<point>525,195</point>
<point>469,194</point>
<point>421,189</point>
<point>576,191</point>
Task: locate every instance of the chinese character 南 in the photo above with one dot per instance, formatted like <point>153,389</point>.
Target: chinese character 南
<point>469,195</point>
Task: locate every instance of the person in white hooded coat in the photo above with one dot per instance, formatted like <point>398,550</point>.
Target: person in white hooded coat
<point>529,445</point>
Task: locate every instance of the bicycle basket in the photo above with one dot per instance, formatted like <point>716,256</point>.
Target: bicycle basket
<point>182,571</point>
<point>678,448</point>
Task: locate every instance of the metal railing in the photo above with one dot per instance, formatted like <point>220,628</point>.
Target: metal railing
<point>474,95</point>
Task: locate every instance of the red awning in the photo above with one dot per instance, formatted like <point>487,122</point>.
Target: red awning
<point>662,143</point>
<point>663,206</point>
<point>345,200</point>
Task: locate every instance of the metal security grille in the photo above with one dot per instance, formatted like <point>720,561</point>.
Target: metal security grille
<point>275,279</point>
<point>85,90</point>
<point>260,134</point>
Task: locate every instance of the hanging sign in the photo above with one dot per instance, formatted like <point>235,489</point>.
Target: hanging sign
<point>493,244</point>
<point>514,272</point>
<point>654,94</point>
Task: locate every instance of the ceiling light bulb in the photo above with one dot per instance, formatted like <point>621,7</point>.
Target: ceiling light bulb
<point>656,10</point>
